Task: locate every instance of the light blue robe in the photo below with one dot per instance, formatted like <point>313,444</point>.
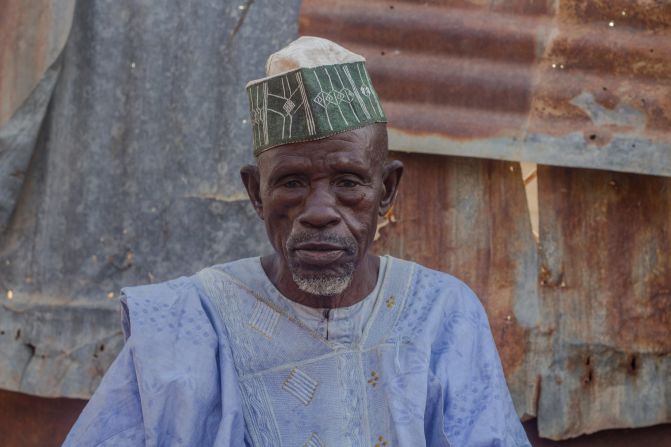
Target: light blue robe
<point>222,358</point>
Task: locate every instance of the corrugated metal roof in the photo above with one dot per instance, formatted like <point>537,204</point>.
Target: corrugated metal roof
<point>572,83</point>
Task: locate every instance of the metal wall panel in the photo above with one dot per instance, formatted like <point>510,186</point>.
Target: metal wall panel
<point>568,82</point>
<point>605,242</point>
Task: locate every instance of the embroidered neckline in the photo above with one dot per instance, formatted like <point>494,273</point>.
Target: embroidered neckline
<point>374,295</point>
<point>381,286</point>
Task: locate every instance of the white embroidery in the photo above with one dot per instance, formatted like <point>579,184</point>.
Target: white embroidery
<point>253,116</point>
<point>377,102</point>
<point>306,105</point>
<point>356,92</point>
<point>365,89</point>
<point>349,96</point>
<point>300,385</point>
<point>313,441</point>
<point>323,99</point>
<point>265,111</point>
<point>292,102</point>
<point>264,319</point>
<point>337,96</point>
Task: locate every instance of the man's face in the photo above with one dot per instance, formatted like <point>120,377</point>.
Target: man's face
<point>320,201</point>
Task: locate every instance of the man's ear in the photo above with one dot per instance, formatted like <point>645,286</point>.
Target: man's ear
<point>252,181</point>
<point>391,178</point>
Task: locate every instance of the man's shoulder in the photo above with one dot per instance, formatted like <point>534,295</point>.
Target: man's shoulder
<point>151,310</point>
<point>165,291</point>
<point>241,269</point>
<point>439,305</point>
<point>441,289</point>
<point>447,279</point>
<point>439,280</point>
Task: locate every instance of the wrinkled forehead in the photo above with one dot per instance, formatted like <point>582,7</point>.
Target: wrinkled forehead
<point>355,148</point>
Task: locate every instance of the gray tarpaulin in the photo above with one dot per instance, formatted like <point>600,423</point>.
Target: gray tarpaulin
<point>130,177</point>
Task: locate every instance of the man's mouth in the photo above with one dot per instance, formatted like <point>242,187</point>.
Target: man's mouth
<point>319,253</point>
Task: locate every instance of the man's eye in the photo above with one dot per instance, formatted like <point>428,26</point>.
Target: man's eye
<point>346,183</point>
<point>292,184</point>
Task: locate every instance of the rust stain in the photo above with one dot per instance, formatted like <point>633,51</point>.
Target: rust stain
<point>619,52</point>
<point>623,219</point>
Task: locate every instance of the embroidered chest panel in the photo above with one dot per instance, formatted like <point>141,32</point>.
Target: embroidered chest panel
<point>299,389</point>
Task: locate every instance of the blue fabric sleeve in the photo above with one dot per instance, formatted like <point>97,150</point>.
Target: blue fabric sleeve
<point>478,409</point>
<point>173,383</point>
<point>113,415</point>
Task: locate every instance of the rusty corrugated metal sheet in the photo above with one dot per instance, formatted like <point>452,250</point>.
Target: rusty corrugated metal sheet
<point>32,35</point>
<point>606,294</point>
<point>574,82</point>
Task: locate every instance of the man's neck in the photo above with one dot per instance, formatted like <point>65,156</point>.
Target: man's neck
<point>363,282</point>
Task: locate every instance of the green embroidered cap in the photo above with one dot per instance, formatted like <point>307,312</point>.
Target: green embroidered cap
<point>314,89</point>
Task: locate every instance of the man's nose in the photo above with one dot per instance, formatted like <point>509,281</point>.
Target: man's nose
<point>319,209</point>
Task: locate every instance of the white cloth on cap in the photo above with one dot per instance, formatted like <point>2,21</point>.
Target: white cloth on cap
<point>309,52</point>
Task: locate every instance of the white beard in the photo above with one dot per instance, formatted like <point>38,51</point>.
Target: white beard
<point>323,285</point>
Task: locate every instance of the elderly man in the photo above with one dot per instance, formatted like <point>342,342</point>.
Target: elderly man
<point>320,343</point>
